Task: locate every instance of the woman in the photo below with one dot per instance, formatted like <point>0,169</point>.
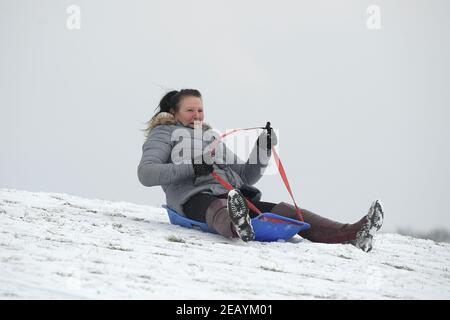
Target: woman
<point>175,157</point>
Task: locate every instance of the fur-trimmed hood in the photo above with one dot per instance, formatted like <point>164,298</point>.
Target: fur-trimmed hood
<point>166,118</point>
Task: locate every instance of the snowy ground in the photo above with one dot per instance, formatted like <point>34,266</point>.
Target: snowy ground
<point>57,246</point>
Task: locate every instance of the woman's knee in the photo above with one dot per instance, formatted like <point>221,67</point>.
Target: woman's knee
<point>285,209</point>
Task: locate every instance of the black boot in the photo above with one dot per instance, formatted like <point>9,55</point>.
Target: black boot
<point>373,222</point>
<point>239,215</point>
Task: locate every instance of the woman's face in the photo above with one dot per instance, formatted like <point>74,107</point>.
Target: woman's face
<point>190,113</point>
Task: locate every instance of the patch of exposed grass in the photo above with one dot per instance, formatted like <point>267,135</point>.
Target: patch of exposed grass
<point>173,238</point>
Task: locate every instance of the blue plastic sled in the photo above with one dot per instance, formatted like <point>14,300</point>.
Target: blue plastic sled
<point>267,227</point>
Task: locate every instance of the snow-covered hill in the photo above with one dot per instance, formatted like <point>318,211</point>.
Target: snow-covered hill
<point>62,246</point>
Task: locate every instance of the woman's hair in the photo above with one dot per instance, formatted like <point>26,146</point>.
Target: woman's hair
<point>171,101</point>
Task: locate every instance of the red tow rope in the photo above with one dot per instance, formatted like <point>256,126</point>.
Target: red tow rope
<point>286,182</point>
<point>280,167</point>
<point>230,187</point>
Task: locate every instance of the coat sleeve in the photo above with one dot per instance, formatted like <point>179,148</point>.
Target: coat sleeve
<point>253,169</point>
<point>155,167</point>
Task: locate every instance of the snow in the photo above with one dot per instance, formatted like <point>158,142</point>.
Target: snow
<point>59,246</point>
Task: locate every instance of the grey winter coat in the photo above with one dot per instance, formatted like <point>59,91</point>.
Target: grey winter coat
<point>164,163</point>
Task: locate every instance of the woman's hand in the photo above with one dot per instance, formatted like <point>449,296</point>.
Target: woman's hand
<point>268,138</point>
<point>202,168</point>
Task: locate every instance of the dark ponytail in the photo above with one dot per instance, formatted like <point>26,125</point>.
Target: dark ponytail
<point>171,102</point>
<point>166,102</point>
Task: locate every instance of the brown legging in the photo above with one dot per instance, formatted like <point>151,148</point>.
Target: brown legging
<point>322,230</point>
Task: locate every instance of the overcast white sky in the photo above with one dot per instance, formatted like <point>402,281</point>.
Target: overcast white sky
<point>362,114</point>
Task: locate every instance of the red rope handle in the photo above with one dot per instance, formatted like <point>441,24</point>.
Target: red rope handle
<point>216,142</point>
<point>286,182</point>
<point>280,167</point>
<point>230,187</point>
